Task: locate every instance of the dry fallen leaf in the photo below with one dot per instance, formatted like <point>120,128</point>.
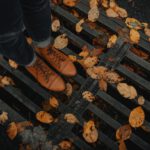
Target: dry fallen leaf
<point>69,89</point>
<point>65,145</point>
<point>116,11</point>
<point>12,130</point>
<point>29,40</point>
<point>53,102</point>
<point>13,64</point>
<point>97,72</point>
<point>87,95</point>
<point>111,13</point>
<point>44,117</point>
<point>127,91</point>
<point>90,61</point>
<point>141,100</point>
<point>72,58</point>
<point>103,85</point>
<point>113,77</point>
<point>90,133</point>
<point>105,3</point>
<point>96,51</point>
<point>75,13</point>
<point>84,54</point>
<point>22,125</point>
<point>71,118</point>
<point>122,145</point>
<point>61,41</point>
<point>79,27</point>
<point>123,133</point>
<point>134,36</point>
<point>93,3</point>
<point>121,12</point>
<point>55,25</point>
<point>4,81</point>
<point>93,14</point>
<point>92,74</point>
<point>133,23</point>
<point>112,41</point>
<point>140,53</point>
<point>70,3</point>
<point>3,117</point>
<point>113,4</point>
<point>137,117</point>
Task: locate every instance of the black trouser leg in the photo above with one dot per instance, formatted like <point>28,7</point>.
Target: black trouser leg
<point>13,44</point>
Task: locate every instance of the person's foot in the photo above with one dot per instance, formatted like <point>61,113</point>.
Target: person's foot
<point>46,76</point>
<point>58,60</point>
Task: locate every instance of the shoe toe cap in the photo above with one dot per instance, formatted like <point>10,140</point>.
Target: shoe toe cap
<point>57,85</point>
<point>70,69</point>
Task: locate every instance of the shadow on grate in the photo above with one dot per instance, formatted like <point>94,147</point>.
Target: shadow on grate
<point>109,111</point>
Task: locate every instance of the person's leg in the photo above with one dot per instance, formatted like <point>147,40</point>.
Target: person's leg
<point>37,19</point>
<point>13,44</point>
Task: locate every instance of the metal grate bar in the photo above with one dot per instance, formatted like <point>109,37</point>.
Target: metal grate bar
<point>13,116</point>
<point>22,99</point>
<point>113,25</point>
<point>26,80</point>
<point>134,77</point>
<point>141,143</point>
<point>138,61</point>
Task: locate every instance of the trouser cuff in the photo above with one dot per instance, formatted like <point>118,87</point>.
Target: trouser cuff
<point>42,44</point>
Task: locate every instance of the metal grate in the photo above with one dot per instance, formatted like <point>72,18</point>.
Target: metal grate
<point>25,102</point>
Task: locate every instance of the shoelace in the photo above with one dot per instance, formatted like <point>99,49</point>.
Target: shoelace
<point>40,67</point>
<point>56,57</point>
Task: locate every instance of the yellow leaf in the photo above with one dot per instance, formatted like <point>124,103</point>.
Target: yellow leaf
<point>53,102</point>
<point>141,100</point>
<point>79,27</point>
<point>90,133</point>
<point>72,58</point>
<point>111,13</point>
<point>3,117</point>
<point>55,25</point>
<point>122,145</point>
<point>133,23</point>
<point>22,125</point>
<point>103,85</point>
<point>134,36</point>
<point>127,91</point>
<point>112,41</point>
<point>93,3</point>
<point>87,95</point>
<point>44,117</point>
<point>65,145</point>
<point>137,117</point>
<point>69,89</point>
<point>70,3</point>
<point>105,3</point>
<point>61,41</point>
<point>123,133</point>
<point>90,61</point>
<point>71,118</point>
<point>13,64</point>
<point>12,130</point>
<point>93,14</point>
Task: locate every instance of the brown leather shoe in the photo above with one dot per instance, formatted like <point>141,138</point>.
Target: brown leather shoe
<point>58,60</point>
<point>45,76</point>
